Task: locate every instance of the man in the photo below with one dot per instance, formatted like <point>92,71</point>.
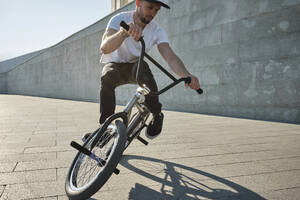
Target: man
<point>120,51</point>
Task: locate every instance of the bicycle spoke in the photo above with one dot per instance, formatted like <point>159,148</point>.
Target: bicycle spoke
<point>82,172</point>
<point>87,179</point>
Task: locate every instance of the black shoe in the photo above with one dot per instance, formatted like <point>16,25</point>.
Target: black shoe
<point>155,126</point>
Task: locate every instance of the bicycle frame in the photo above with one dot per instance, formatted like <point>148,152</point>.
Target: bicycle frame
<point>142,114</point>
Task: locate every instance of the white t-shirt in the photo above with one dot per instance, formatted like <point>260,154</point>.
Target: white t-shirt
<point>130,50</point>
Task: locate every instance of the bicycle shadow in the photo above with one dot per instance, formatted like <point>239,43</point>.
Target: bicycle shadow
<point>177,182</point>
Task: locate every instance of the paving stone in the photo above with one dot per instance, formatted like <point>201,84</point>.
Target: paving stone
<point>270,181</point>
<point>1,190</point>
<point>40,142</point>
<point>288,193</point>
<point>27,157</point>
<point>62,173</point>
<point>44,198</point>
<point>236,169</point>
<point>7,167</point>
<point>14,139</point>
<point>27,177</point>
<point>34,190</point>
<point>47,149</point>
<point>67,155</point>
<point>40,165</point>
<point>283,164</point>
<point>12,149</point>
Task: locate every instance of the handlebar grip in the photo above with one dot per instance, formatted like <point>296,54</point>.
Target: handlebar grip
<point>200,91</point>
<point>188,81</point>
<point>124,25</point>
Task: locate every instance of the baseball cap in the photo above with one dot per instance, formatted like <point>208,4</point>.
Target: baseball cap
<point>161,2</point>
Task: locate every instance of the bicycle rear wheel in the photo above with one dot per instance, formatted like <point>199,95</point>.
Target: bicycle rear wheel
<point>86,176</point>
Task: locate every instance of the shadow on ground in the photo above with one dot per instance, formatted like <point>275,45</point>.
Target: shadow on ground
<point>181,182</point>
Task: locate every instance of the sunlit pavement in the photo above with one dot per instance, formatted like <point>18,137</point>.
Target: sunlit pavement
<point>196,156</point>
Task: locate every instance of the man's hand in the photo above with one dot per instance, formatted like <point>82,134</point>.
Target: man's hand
<point>134,31</point>
<point>194,83</point>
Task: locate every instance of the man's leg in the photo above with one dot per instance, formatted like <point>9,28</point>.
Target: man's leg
<point>113,75</point>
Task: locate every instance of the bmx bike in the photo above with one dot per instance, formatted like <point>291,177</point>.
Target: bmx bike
<point>100,154</point>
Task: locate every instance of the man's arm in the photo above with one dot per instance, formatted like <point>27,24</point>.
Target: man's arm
<point>177,65</point>
<point>112,39</point>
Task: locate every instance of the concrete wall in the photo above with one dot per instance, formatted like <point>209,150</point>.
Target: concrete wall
<point>246,54</point>
<point>7,65</point>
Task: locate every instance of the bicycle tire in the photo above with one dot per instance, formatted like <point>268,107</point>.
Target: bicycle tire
<point>115,154</point>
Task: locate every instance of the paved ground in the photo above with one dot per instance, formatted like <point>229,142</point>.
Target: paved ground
<point>196,157</point>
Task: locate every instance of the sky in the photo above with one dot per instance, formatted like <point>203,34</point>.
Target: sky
<point>31,25</point>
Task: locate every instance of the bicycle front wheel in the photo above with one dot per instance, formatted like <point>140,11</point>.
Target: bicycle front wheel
<point>86,176</point>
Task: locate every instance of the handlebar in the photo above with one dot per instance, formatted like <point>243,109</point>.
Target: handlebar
<point>187,80</point>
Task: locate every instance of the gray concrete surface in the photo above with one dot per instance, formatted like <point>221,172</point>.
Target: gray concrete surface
<point>196,157</point>
<point>246,54</point>
<point>7,65</point>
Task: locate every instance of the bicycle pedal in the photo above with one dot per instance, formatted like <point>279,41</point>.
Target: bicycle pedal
<point>85,151</point>
<point>116,171</point>
<point>142,140</point>
<point>80,148</point>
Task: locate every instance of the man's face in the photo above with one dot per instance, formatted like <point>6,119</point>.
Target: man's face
<point>147,11</point>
